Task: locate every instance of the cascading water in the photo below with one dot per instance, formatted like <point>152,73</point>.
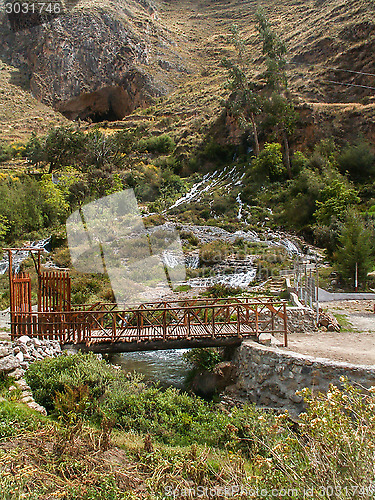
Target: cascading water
<point>19,256</point>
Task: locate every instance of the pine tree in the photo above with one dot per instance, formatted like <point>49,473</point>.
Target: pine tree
<point>355,249</point>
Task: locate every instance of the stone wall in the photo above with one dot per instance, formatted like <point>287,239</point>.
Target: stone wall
<point>301,319</point>
<point>15,358</point>
<point>270,376</point>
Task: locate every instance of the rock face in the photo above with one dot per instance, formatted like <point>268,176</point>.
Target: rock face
<point>207,383</point>
<point>98,62</point>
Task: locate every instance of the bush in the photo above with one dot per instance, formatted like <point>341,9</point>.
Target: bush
<point>269,164</point>
<point>221,290</point>
<point>334,446</point>
<point>203,359</point>
<point>82,384</point>
<point>52,375</point>
<point>336,198</point>
<point>213,252</point>
<point>358,161</point>
<point>162,144</point>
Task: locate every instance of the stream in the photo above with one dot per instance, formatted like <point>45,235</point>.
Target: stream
<point>166,367</point>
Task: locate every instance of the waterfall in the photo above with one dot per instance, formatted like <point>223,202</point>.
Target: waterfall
<point>21,255</point>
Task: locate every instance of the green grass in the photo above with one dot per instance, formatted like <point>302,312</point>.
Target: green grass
<point>345,324</point>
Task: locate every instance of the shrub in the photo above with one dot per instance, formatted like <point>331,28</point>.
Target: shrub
<point>203,359</point>
<point>358,160</point>
<point>52,375</point>
<point>334,446</point>
<point>5,152</point>
<point>269,164</point>
<point>336,198</point>
<point>221,290</point>
<point>213,252</point>
<point>163,144</point>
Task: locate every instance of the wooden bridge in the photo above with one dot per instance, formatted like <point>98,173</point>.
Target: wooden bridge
<point>104,328</point>
<point>163,325</point>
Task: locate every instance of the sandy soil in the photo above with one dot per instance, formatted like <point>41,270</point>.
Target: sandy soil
<point>354,344</point>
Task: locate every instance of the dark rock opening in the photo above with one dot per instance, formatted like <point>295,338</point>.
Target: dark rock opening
<point>109,103</point>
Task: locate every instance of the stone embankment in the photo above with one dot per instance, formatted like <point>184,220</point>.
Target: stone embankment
<point>270,376</point>
<point>15,358</point>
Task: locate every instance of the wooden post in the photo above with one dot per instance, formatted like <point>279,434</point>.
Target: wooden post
<point>256,321</point>
<point>165,325</point>
<point>138,326</point>
<point>113,326</point>
<point>10,272</point>
<point>285,328</point>
<point>213,322</point>
<point>188,325</point>
<point>238,321</point>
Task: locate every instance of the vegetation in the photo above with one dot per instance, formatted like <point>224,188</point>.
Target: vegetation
<point>354,256</point>
<point>329,450</point>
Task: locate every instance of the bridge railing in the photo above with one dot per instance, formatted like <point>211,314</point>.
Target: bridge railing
<point>198,320</point>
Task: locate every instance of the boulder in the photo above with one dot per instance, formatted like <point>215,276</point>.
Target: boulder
<point>19,356</point>
<point>4,351</point>
<point>24,339</point>
<point>9,363</point>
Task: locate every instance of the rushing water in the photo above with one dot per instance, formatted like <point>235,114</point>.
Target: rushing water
<point>167,367</point>
<point>20,256</point>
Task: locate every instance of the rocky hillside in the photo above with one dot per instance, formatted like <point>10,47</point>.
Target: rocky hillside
<point>101,60</point>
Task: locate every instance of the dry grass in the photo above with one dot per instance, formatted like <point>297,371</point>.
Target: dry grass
<point>20,113</point>
<point>54,463</point>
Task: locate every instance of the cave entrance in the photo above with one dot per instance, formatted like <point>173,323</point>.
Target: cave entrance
<point>107,104</point>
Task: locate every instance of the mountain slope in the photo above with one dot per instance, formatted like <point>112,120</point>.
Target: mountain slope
<point>104,59</point>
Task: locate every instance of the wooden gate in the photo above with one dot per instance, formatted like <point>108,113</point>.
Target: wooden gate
<point>21,293</point>
<point>54,293</point>
<point>20,304</point>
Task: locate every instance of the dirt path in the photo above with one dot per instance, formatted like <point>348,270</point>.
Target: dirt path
<point>354,344</point>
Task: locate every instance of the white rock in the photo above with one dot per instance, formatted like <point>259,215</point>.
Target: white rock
<point>27,399</point>
<point>22,384</point>
<point>24,339</point>
<point>17,374</point>
<point>19,356</point>
<point>9,363</point>
<point>35,406</point>
<point>4,351</point>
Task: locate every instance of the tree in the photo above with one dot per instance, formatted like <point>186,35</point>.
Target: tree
<point>244,103</point>
<point>102,151</point>
<point>282,117</point>
<point>358,161</point>
<point>64,146</point>
<point>35,151</point>
<point>275,51</point>
<point>269,163</point>
<point>337,197</point>
<point>279,107</point>
<point>355,249</point>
